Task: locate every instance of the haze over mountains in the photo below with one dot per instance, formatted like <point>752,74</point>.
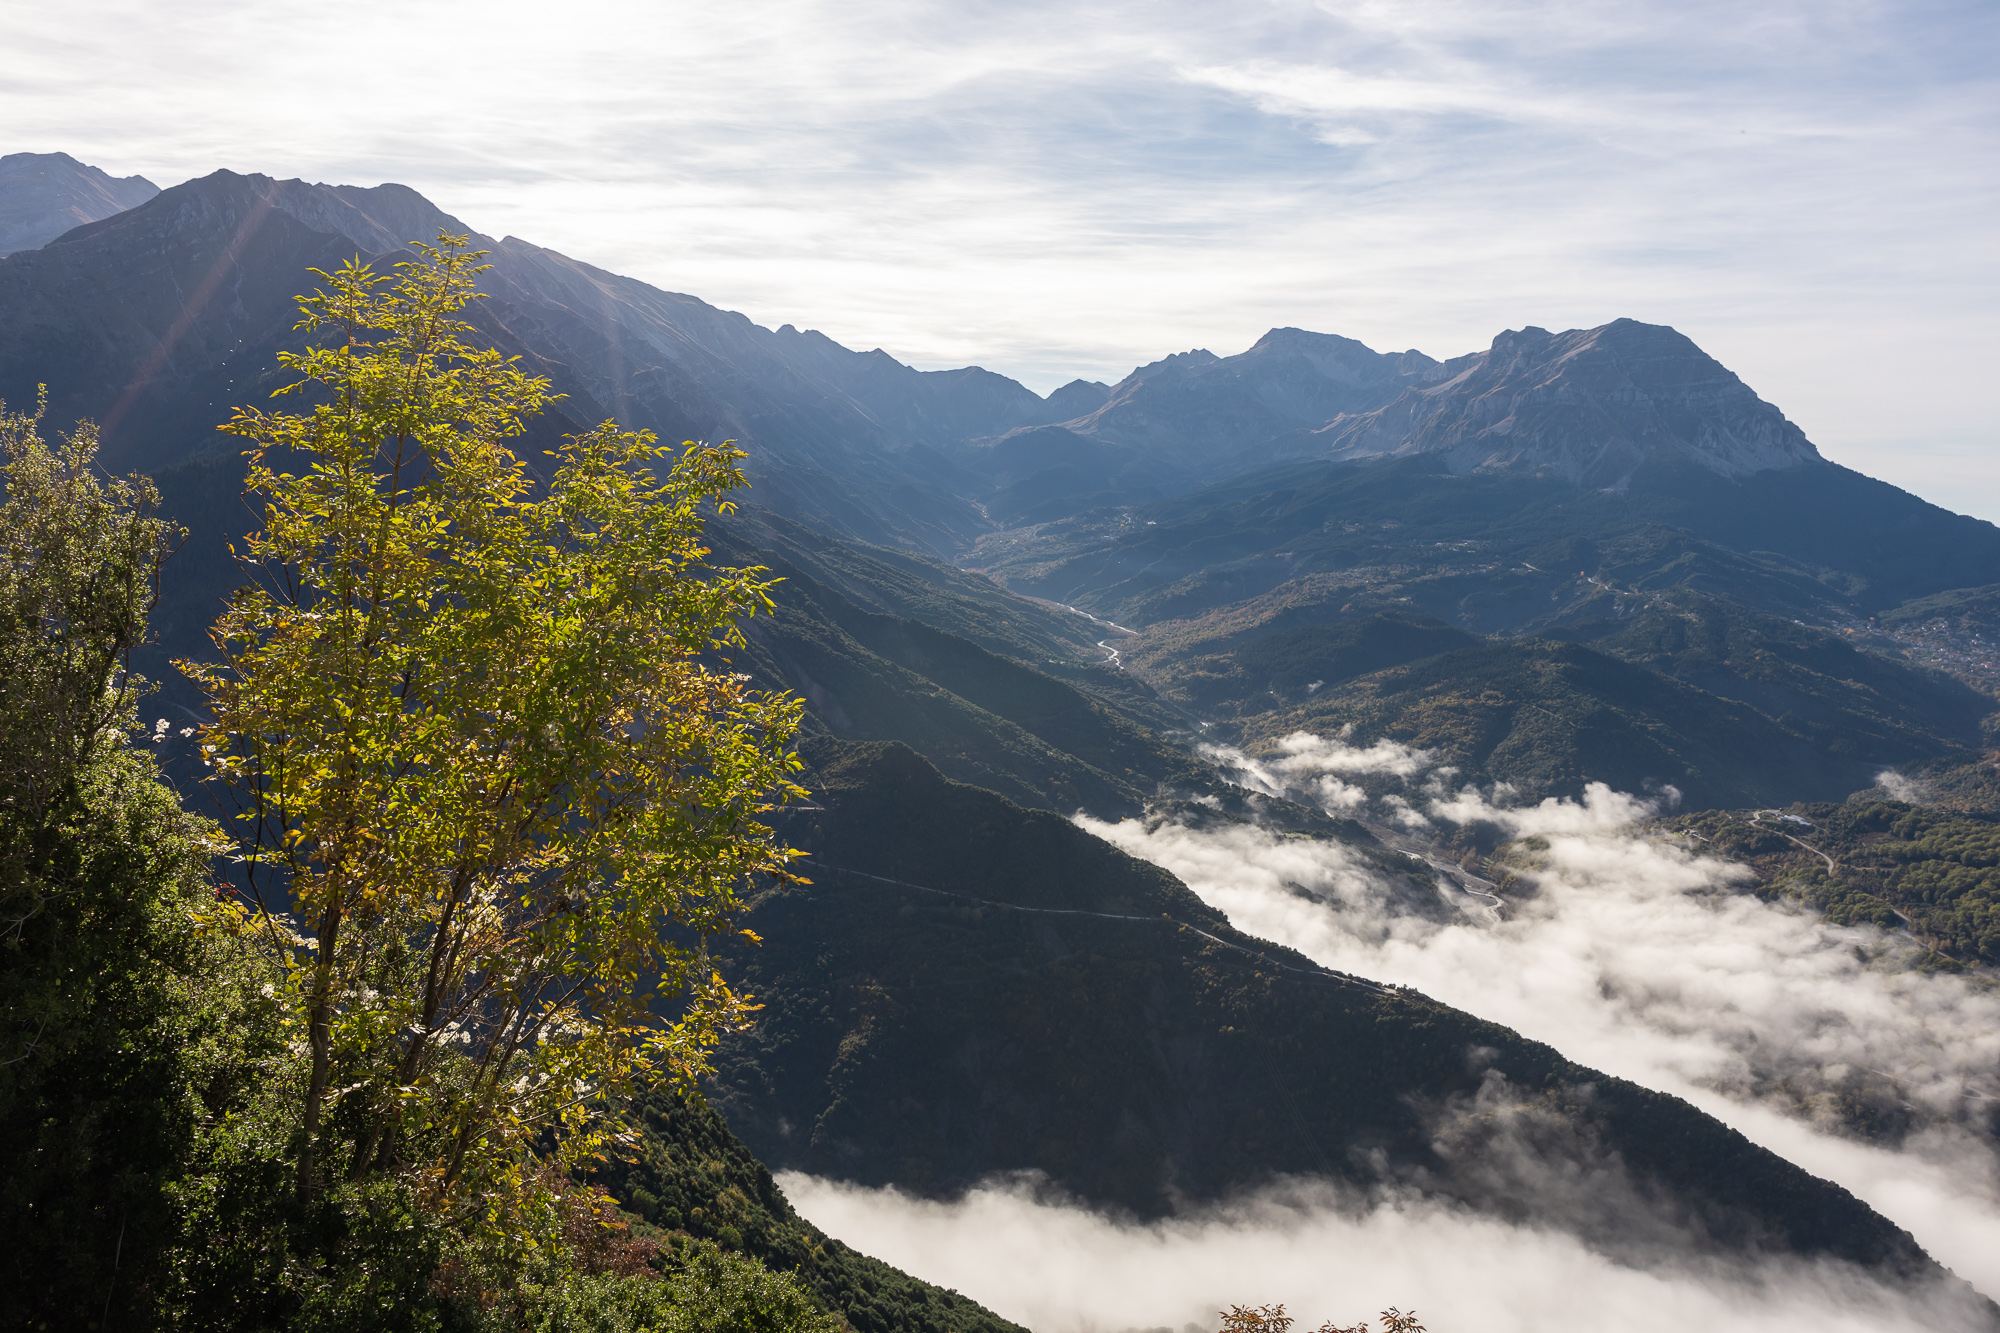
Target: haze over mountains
<point>1575,558</point>
<point>43,195</point>
<point>1590,405</point>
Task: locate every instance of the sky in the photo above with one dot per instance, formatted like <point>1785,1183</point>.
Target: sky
<point>1806,189</point>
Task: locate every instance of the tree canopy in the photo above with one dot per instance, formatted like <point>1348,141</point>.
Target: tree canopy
<point>487,748</point>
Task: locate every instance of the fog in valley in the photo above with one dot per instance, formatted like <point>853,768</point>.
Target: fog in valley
<point>1327,1254</point>
<point>1629,951</point>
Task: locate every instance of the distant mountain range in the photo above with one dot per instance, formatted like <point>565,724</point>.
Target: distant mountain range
<point>43,195</point>
<point>854,441</point>
<point>1594,555</point>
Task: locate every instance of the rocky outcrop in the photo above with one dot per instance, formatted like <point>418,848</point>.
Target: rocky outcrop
<point>1589,405</point>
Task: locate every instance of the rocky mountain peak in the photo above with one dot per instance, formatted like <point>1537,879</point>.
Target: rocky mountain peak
<point>1173,361</point>
<point>1080,397</point>
<point>1333,357</point>
<point>43,195</point>
<point>1592,405</point>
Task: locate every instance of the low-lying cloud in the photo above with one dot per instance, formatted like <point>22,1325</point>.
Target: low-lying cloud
<point>1628,951</point>
<point>1327,1253</point>
<point>1642,958</point>
<point>1323,767</point>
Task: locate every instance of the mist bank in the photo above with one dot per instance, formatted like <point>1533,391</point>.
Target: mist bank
<point>1332,1253</point>
<point>1641,958</point>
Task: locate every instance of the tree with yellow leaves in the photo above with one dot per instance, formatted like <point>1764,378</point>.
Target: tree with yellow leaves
<point>486,747</point>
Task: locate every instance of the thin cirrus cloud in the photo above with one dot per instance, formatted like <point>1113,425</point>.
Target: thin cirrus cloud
<point>1057,190</point>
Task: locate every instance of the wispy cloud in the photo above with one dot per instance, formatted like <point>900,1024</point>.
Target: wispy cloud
<point>1060,189</point>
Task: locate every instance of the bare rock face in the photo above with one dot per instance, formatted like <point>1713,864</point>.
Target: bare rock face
<point>43,195</point>
<point>1589,405</point>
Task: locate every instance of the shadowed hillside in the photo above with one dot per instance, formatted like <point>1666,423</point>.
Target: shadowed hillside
<point>1121,1038</point>
<point>690,1174</point>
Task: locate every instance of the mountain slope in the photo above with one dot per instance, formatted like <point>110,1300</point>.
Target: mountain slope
<point>1934,872</point>
<point>1590,405</point>
<point>1681,688</point>
<point>922,1039</point>
<point>1509,550</point>
<point>689,1173</point>
<point>43,195</point>
<point>979,715</point>
<point>1552,717</point>
<point>157,320</point>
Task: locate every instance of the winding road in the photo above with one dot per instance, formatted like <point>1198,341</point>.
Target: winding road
<point>1456,875</point>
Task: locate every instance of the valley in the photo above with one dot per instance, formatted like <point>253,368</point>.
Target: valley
<point>1531,786</point>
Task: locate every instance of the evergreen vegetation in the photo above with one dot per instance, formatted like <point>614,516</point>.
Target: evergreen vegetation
<point>1931,871</point>
<point>691,1175</point>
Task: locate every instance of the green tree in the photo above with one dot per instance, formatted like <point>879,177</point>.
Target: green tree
<point>486,748</point>
<point>131,1024</point>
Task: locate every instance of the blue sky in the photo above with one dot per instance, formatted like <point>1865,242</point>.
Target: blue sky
<point>1810,191</point>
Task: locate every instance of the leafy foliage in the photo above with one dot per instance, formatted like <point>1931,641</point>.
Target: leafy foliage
<point>78,560</point>
<point>134,1023</point>
<point>480,747</point>
<point>691,1175</point>
<point>704,1290</point>
<point>151,1076</point>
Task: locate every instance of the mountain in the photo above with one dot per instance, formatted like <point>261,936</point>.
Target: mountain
<point>1927,869</point>
<point>43,195</point>
<point>1207,412</point>
<point>1182,421</point>
<point>157,320</point>
<point>1551,717</point>
<point>1590,405</point>
<point>1575,557</point>
<point>1054,734</point>
<point>1478,513</point>
<point>1507,550</point>
<point>967,987</point>
<point>1683,688</point>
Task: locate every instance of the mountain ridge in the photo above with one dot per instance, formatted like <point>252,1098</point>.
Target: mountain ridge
<point>44,195</point>
<point>858,441</point>
<point>1594,405</point>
